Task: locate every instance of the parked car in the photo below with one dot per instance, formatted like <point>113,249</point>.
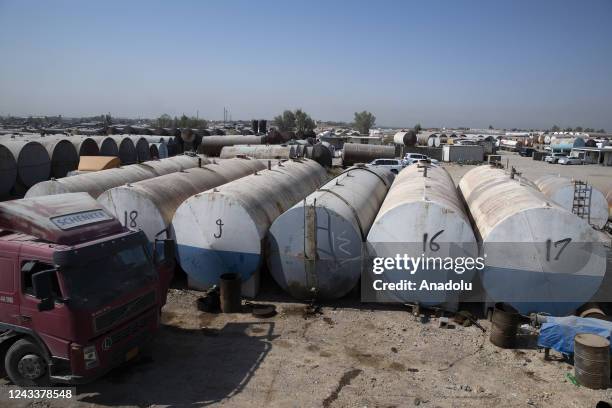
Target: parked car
<point>410,158</point>
<point>554,157</point>
<point>570,160</point>
<point>526,151</point>
<point>395,165</point>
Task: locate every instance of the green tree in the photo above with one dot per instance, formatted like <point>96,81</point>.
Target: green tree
<point>490,127</point>
<point>568,129</point>
<point>578,128</point>
<point>303,122</point>
<point>555,128</point>
<point>589,130</point>
<point>601,131</point>
<point>418,128</point>
<point>164,121</point>
<point>286,121</point>
<point>364,122</point>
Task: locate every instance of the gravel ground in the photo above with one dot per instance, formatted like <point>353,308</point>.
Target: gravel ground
<point>351,354</point>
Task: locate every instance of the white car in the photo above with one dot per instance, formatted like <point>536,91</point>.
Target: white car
<point>570,160</point>
<point>395,165</point>
<point>411,158</point>
<point>554,157</point>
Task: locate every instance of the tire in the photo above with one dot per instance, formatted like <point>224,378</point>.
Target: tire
<point>15,353</point>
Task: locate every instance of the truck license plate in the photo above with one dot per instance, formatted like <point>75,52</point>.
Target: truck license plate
<point>131,354</point>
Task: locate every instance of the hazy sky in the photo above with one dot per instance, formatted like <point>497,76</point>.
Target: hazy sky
<point>511,63</point>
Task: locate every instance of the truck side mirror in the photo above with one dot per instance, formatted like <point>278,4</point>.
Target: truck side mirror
<point>42,283</point>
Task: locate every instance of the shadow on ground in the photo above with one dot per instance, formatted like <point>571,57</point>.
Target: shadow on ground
<point>187,368</point>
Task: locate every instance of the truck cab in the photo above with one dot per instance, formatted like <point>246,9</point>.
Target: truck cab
<point>79,293</point>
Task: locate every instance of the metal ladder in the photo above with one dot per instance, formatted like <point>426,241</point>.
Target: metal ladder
<point>582,200</point>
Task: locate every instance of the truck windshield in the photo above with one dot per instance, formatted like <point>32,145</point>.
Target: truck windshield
<point>99,281</point>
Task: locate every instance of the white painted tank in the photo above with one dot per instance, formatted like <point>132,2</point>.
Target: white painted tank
<point>223,230</point>
<point>423,214</point>
<point>95,183</point>
<point>540,256</point>
<point>8,170</point>
<point>561,191</point>
<point>150,204</point>
<point>260,151</point>
<point>33,161</point>
<point>316,247</point>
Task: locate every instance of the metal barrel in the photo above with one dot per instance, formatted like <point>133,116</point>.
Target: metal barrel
<point>212,145</point>
<point>408,138</point>
<point>592,360</point>
<point>142,148</point>
<point>154,151</point>
<point>64,157</point>
<point>423,215</point>
<point>230,286</point>
<point>96,183</point>
<point>150,204</point>
<point>223,230</point>
<point>532,243</point>
<point>563,191</point>
<point>321,153</point>
<point>259,151</point>
<point>316,247</point>
<point>33,161</point>
<point>107,146</point>
<point>127,150</point>
<point>8,170</point>
<point>423,139</point>
<point>361,153</point>
<point>504,326</point>
<point>85,146</point>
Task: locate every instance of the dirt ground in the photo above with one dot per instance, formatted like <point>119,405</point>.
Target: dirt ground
<point>349,355</point>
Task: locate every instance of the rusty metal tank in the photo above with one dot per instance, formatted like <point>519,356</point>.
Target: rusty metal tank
<point>353,153</point>
<point>142,148</point>
<point>85,145</point>
<point>8,170</point>
<point>223,230</point>
<point>407,138</point>
<point>96,183</point>
<point>212,145</point>
<point>260,151</point>
<point>316,247</point>
<point>540,257</point>
<point>592,361</point>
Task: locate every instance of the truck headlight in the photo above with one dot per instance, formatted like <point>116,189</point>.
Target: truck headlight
<point>90,356</point>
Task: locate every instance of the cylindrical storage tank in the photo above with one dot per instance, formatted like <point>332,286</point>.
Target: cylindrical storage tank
<point>539,256</point>
<point>423,215</point>
<point>562,191</point>
<point>433,141</point>
<point>8,170</point>
<point>85,146</point>
<point>64,157</point>
<point>408,138</point>
<point>150,204</point>
<point>423,139</point>
<point>96,183</point>
<point>442,139</point>
<point>212,145</point>
<point>363,153</point>
<point>258,151</point>
<point>160,131</point>
<point>592,361</point>
<point>106,145</point>
<point>158,150</point>
<point>142,148</point>
<point>223,230</point>
<point>566,144</point>
<point>33,161</point>
<point>305,258</point>
<point>127,150</point>
<point>321,153</point>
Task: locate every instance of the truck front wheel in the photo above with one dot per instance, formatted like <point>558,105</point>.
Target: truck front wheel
<point>25,365</point>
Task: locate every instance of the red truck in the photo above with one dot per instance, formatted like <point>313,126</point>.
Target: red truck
<point>79,293</point>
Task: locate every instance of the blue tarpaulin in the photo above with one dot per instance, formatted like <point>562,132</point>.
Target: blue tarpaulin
<point>558,332</point>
